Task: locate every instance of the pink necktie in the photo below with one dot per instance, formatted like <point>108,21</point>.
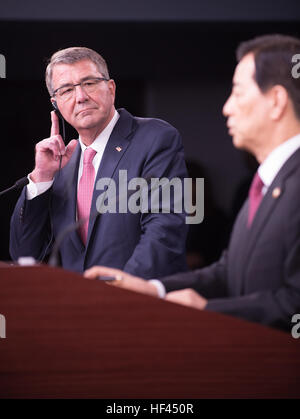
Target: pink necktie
<point>85,192</point>
<point>255,197</point>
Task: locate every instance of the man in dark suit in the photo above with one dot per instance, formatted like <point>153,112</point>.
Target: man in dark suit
<point>64,185</point>
<point>258,277</point>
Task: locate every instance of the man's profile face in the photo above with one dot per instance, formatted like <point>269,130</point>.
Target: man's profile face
<point>84,111</point>
<point>247,108</point>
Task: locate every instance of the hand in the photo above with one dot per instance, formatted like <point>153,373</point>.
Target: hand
<point>123,280</point>
<point>187,297</point>
<point>48,152</point>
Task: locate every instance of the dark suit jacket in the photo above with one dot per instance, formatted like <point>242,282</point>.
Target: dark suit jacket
<point>148,245</point>
<point>258,278</point>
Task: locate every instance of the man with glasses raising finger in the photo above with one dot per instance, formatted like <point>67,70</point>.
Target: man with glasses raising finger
<point>62,187</point>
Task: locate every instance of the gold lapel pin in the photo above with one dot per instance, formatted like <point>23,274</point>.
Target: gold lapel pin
<point>276,192</point>
<point>119,149</point>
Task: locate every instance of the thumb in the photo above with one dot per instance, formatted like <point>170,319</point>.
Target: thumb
<point>70,148</point>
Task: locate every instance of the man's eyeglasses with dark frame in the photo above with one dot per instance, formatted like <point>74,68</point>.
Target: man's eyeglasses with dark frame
<point>89,85</point>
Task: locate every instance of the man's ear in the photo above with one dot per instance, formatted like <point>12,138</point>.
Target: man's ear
<point>278,101</point>
<point>112,87</point>
<point>55,107</point>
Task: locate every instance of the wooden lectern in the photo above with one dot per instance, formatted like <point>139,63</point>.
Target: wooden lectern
<point>70,337</point>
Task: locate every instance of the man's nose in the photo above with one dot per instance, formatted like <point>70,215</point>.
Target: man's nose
<point>227,107</point>
<point>80,94</point>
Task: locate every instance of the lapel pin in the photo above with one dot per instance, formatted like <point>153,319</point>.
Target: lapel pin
<point>276,192</point>
<point>119,149</point>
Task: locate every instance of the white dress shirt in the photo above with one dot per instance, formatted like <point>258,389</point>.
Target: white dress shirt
<point>35,189</point>
<point>270,167</point>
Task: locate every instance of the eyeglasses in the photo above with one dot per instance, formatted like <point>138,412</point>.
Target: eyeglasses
<point>66,92</point>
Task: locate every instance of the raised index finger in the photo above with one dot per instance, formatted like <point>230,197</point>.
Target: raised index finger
<point>54,124</point>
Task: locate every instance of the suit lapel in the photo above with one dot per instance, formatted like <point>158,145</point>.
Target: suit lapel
<point>238,248</point>
<point>114,151</point>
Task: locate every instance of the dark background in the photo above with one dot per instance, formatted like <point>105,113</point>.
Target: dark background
<point>170,59</point>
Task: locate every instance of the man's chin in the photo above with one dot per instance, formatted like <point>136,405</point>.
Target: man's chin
<point>242,144</point>
<point>237,142</point>
<point>86,121</point>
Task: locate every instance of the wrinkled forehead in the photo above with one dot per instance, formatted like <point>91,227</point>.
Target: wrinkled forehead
<point>73,73</point>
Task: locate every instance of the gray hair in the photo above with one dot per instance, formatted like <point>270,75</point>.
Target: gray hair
<point>71,56</point>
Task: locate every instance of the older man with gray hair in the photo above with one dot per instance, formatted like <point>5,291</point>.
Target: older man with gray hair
<point>63,184</point>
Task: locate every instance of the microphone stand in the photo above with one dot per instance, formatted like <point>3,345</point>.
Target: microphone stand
<point>18,185</point>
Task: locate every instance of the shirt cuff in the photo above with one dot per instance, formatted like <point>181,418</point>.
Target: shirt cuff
<point>35,189</point>
<point>161,290</point>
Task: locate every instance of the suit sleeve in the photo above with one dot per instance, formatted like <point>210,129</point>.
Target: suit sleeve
<point>163,235</point>
<point>30,230</point>
<point>210,282</point>
<point>269,307</point>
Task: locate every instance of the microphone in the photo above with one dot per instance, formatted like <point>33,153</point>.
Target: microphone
<point>61,118</point>
<point>18,185</point>
<point>53,259</point>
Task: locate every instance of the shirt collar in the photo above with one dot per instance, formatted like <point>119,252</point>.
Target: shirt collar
<point>270,167</point>
<point>104,135</point>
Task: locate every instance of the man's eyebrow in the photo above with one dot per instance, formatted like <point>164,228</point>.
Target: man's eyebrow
<point>81,80</point>
<point>90,77</point>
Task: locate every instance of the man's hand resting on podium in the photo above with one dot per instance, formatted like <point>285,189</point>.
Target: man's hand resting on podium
<point>187,297</point>
<point>122,279</point>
